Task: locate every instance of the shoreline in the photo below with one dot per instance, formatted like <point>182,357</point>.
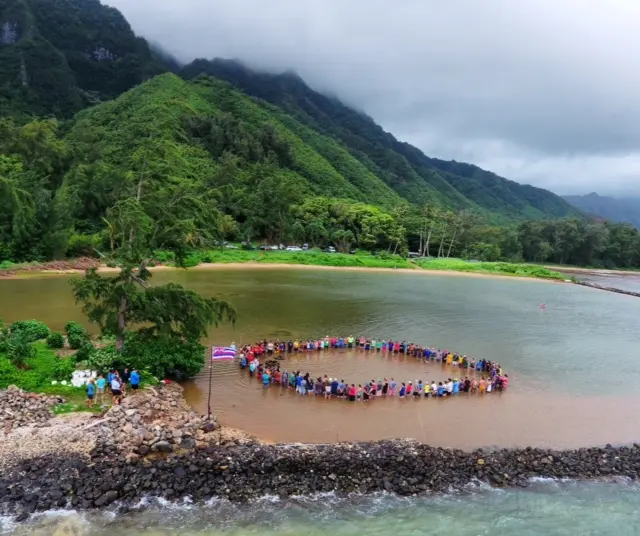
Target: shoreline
<point>154,445</point>
<point>590,271</point>
<point>24,274</point>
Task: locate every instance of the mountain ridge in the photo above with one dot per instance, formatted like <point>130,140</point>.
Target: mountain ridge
<point>58,57</point>
<point>614,209</point>
<point>404,167</point>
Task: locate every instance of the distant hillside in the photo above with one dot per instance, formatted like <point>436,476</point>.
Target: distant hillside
<point>404,168</point>
<point>89,139</point>
<point>58,56</point>
<point>612,209</point>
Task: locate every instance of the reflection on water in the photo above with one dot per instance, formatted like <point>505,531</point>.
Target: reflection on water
<point>573,367</point>
<point>567,508</point>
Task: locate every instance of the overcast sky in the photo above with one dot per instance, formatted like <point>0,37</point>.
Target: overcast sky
<point>545,92</point>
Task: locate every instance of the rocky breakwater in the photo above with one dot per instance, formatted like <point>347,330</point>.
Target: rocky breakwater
<point>155,420</point>
<point>19,408</point>
<point>155,445</point>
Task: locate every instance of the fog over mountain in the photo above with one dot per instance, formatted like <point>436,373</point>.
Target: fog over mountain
<point>537,91</point>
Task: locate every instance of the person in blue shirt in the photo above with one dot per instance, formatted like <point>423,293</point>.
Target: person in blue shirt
<point>91,392</point>
<point>266,379</point>
<point>134,379</point>
<point>456,386</point>
<point>334,387</point>
<point>101,383</point>
<point>110,377</point>
<point>243,361</point>
<point>301,386</point>
<point>440,389</point>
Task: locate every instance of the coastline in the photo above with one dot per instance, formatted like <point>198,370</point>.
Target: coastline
<point>21,274</point>
<point>590,271</point>
<point>155,446</point>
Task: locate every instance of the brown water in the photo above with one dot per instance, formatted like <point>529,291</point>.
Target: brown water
<point>574,369</point>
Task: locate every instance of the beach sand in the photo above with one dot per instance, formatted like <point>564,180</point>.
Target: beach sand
<point>273,266</point>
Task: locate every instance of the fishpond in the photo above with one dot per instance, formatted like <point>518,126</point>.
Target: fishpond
<point>573,369</point>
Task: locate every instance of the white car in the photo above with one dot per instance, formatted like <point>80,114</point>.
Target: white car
<point>294,248</point>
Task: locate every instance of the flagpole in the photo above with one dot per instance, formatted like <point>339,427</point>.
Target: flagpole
<point>210,380</point>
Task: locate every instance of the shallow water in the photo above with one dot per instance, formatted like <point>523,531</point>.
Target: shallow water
<point>573,367</point>
<point>549,508</point>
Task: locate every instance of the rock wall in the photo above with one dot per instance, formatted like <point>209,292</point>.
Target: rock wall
<point>154,420</point>
<point>245,472</point>
<point>19,408</point>
<point>155,445</point>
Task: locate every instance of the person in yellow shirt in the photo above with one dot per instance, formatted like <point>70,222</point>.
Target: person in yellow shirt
<point>449,359</point>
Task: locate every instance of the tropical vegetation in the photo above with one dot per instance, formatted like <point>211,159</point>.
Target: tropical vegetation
<point>86,132</point>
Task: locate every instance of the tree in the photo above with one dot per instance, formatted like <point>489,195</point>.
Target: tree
<point>166,217</point>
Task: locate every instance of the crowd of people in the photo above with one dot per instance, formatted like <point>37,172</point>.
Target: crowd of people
<point>482,376</point>
<point>115,385</point>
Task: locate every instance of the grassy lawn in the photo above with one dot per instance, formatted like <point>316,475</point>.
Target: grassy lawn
<point>496,268</point>
<point>367,260</point>
<point>37,379</point>
<point>312,257</point>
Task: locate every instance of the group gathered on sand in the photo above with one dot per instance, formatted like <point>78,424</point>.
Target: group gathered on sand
<point>482,376</point>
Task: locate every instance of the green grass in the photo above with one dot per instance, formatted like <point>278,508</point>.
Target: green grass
<point>38,376</point>
<point>367,260</point>
<point>72,407</point>
<point>312,257</point>
<point>495,268</point>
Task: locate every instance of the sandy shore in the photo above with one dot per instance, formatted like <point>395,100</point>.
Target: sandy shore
<point>279,266</point>
<point>592,271</point>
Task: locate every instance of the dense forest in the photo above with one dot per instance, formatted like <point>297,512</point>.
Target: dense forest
<point>88,133</point>
<point>59,56</point>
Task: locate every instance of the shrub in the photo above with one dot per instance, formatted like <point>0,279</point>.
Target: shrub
<point>8,373</point>
<point>55,340</point>
<point>84,352</point>
<point>4,335</point>
<point>19,350</point>
<point>63,368</point>
<point>80,245</point>
<point>30,330</point>
<point>164,256</point>
<point>103,359</point>
<point>165,357</point>
<point>76,335</point>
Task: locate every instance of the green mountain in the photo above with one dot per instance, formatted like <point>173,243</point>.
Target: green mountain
<point>58,56</point>
<point>275,159</point>
<point>401,166</point>
<point>609,208</point>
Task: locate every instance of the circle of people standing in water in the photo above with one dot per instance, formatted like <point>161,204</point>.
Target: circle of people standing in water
<point>472,377</point>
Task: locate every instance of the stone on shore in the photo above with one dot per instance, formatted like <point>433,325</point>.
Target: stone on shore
<point>155,445</point>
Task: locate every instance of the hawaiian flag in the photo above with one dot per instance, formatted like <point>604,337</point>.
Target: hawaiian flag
<point>222,352</point>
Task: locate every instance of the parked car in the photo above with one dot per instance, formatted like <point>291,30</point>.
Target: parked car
<point>263,247</point>
<point>293,248</point>
<point>248,247</point>
<point>305,247</point>
<point>329,249</point>
<point>273,248</point>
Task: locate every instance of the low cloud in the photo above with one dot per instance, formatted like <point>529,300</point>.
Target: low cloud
<point>538,91</point>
